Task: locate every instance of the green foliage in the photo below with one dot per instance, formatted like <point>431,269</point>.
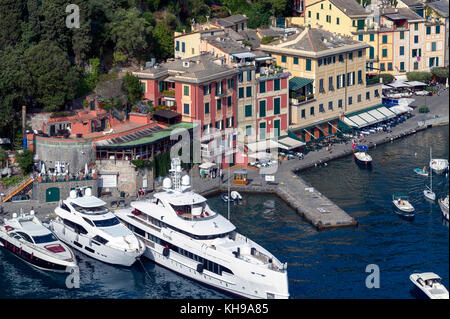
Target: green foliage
<point>3,156</point>
<point>11,12</point>
<point>25,161</point>
<point>10,181</point>
<point>266,39</point>
<point>387,78</point>
<point>131,87</point>
<point>163,42</point>
<point>440,72</point>
<point>53,79</point>
<point>419,76</point>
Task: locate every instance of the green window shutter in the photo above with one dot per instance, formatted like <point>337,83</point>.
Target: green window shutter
<point>248,110</point>
<point>276,84</point>
<point>249,91</point>
<point>186,90</point>
<point>428,30</point>
<point>433,46</point>
<point>241,93</point>
<point>295,60</point>
<point>262,108</point>
<point>283,59</point>
<point>372,37</point>
<point>308,64</point>
<point>248,130</point>
<point>186,109</point>
<point>385,39</point>
<point>360,25</point>
<point>384,53</point>
<point>262,87</point>
<point>277,105</point>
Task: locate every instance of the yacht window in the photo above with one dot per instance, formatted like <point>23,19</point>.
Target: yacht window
<point>90,210</point>
<point>100,239</point>
<point>78,228</point>
<point>89,221</point>
<point>45,239</point>
<point>25,236</point>
<point>64,206</point>
<point>106,222</point>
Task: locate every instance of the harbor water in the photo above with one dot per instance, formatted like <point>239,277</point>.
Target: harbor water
<point>321,264</point>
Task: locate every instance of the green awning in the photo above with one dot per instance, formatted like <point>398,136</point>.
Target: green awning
<point>297,83</point>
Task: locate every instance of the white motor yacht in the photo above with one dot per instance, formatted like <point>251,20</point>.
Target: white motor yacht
<point>361,157</point>
<point>443,203</point>
<point>26,237</point>
<point>85,223</point>
<point>429,284</point>
<point>402,206</point>
<point>438,165</point>
<point>184,234</point>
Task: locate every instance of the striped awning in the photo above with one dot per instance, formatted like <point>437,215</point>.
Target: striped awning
<point>297,83</point>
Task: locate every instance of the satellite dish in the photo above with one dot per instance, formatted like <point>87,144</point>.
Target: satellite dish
<point>167,183</point>
<point>73,194</point>
<point>185,180</point>
<point>88,192</point>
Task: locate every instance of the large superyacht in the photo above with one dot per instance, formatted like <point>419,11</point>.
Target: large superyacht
<point>182,233</point>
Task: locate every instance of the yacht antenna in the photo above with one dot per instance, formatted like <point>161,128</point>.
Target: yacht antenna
<point>228,198</point>
<point>175,170</point>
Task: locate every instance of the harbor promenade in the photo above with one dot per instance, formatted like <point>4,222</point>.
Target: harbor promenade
<point>288,184</point>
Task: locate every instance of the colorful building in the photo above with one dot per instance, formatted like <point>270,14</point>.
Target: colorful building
<point>328,79</point>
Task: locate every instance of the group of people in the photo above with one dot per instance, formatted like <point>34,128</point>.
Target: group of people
<point>211,173</point>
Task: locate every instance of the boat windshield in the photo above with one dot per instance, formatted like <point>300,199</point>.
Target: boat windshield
<point>97,210</point>
<point>106,222</point>
<point>194,211</point>
<point>44,239</point>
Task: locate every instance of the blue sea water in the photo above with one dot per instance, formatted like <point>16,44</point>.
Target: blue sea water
<point>321,264</point>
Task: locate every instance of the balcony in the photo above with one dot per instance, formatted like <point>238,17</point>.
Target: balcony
<point>299,100</point>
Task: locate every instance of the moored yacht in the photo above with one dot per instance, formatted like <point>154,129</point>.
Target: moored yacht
<point>438,165</point>
<point>361,157</point>
<point>429,285</point>
<point>443,203</point>
<point>85,223</point>
<point>184,234</point>
<point>29,240</point>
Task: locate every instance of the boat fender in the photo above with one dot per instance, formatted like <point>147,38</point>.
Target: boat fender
<point>200,268</point>
<point>166,252</point>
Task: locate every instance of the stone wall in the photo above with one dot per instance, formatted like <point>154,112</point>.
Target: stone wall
<point>40,189</point>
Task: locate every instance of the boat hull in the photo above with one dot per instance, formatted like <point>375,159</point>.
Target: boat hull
<point>444,209</point>
<point>90,248</point>
<point>406,214</point>
<point>363,162</point>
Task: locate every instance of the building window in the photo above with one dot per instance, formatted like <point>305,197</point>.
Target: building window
<point>276,105</point>
<point>262,131</point>
<point>402,35</point>
<point>303,113</point>
<point>186,90</point>
<point>359,97</point>
<point>350,100</point>
<point>207,108</point>
<point>249,75</point>
<point>376,93</point>
<point>360,37</point>
<point>431,62</point>
<point>240,77</point>
<point>416,26</point>
<point>321,88</point>
<point>248,110</point>
<point>390,66</point>
<point>262,87</point>
<point>186,108</point>
<point>308,64</point>
<point>206,89</point>
<point>437,61</point>
<point>402,66</point>
<point>330,105</point>
<point>248,130</point>
<point>229,101</point>
<point>241,93</point>
<point>341,58</point>
<point>433,46</point>
<point>283,59</point>
<point>360,80</point>
<point>183,47</point>
<point>330,84</point>
<point>295,60</point>
<point>402,50</point>
<point>438,29</point>
<point>428,30</point>
<point>309,14</point>
<point>276,84</point>
<point>249,91</point>
<point>416,65</point>
<point>350,56</point>
<point>359,53</point>
<point>262,108</point>
<point>372,37</point>
<point>416,39</point>
<point>311,110</point>
<point>340,103</point>
<point>384,53</point>
<point>177,46</point>
<point>337,20</point>
<point>367,95</point>
<point>219,104</point>
<point>385,39</point>
<point>317,16</point>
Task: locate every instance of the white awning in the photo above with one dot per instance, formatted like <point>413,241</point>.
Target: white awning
<point>207,165</point>
<point>290,143</point>
<point>368,118</point>
<point>399,109</point>
<point>416,83</point>
<point>379,116</point>
<point>349,122</point>
<point>359,121</point>
<point>398,84</point>
<point>405,101</point>
<point>389,114</point>
<point>262,156</point>
<point>386,87</point>
<point>244,55</point>
<point>264,145</point>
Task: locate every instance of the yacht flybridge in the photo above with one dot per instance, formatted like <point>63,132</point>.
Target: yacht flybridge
<point>184,234</point>
<point>85,223</point>
<point>28,239</point>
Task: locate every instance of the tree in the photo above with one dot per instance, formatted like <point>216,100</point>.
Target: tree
<point>387,78</point>
<point>440,72</point>
<point>54,22</point>
<point>53,79</point>
<point>82,37</point>
<point>162,41</point>
<point>419,76</point>
<point>11,13</point>
<point>130,32</point>
<point>131,86</point>
<point>25,161</point>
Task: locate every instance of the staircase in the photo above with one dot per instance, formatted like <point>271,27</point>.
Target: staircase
<point>24,187</point>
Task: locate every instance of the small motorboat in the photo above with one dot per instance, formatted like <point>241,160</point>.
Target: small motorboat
<point>28,239</point>
<point>438,165</point>
<point>235,196</point>
<point>421,171</point>
<point>443,203</point>
<point>429,285</point>
<point>428,192</point>
<point>361,157</point>
<point>402,206</point>
<point>225,198</point>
